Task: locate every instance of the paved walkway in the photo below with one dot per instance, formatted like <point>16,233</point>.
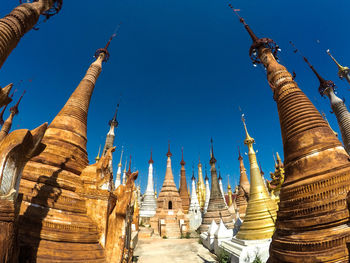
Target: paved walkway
<point>158,250</point>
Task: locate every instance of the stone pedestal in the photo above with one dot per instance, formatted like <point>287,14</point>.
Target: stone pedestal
<point>221,234</point>
<point>245,251</point>
<point>207,238</point>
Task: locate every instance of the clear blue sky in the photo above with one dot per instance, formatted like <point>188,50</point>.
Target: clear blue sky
<point>182,68</point>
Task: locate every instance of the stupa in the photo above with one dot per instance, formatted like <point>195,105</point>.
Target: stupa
<point>185,198</point>
<point>149,204</point>
<point>243,188</point>
<point>217,208</point>
<point>53,217</point>
<point>313,218</point>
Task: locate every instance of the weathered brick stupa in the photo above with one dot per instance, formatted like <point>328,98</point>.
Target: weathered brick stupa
<point>327,87</point>
<point>259,220</point>
<point>243,188</point>
<point>313,218</point>
<point>54,225</point>
<point>169,198</point>
<point>149,204</point>
<point>343,72</point>
<point>183,185</point>
<point>200,186</point>
<point>217,208</point>
<point>22,19</point>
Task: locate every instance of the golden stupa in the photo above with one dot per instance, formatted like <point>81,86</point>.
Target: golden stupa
<point>261,213</point>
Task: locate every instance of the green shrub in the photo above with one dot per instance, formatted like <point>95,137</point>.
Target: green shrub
<point>224,257</point>
<point>164,237</point>
<point>188,235</point>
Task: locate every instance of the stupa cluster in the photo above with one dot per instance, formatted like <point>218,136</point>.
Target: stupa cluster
<point>52,202</point>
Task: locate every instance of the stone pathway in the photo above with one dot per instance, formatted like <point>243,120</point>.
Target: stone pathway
<point>158,250</point>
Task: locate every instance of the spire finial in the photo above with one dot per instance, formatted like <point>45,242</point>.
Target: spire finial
<point>212,159</point>
<point>114,122</point>
<point>239,154</point>
<point>206,174</point>
<point>193,178</point>
<point>228,182</point>
<point>169,154</point>
<point>151,160</point>
<point>98,154</point>
<point>182,163</point>
<point>325,85</point>
<point>220,178</point>
<point>248,139</point>
<point>274,158</point>
<point>105,49</point>
<point>14,109</point>
<point>126,163</point>
<point>257,42</point>
<point>342,71</point>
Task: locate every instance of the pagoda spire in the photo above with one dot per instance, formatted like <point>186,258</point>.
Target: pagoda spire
<point>8,123</point>
<point>243,188</point>
<point>338,106</point>
<point>229,191</point>
<point>200,185</point>
<point>65,155</point>
<point>97,158</point>
<point>307,140</point>
<point>183,190</point>
<point>113,124</point>
<point>217,208</point>
<point>207,190</point>
<point>149,204</point>
<point>343,72</point>
<point>119,171</point>
<point>259,221</point>
<point>128,173</point>
<point>194,206</point>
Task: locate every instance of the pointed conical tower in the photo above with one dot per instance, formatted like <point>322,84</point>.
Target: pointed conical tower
<point>194,206</point>
<point>259,220</point>
<point>243,188</point>
<point>313,217</point>
<point>216,208</point>
<point>113,124</point>
<point>149,204</point>
<point>22,19</point>
<point>169,197</point>
<point>221,186</point>
<point>229,191</point>
<point>343,72</point>
<point>200,186</point>
<point>327,87</point>
<point>53,217</point>
<point>183,185</point>
<point>207,191</point>
<point>6,127</point>
<point>119,171</point>
<point>97,158</point>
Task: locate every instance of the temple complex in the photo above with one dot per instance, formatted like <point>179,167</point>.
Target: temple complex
<point>217,208</point>
<point>185,197</point>
<point>200,186</point>
<point>310,178</point>
<point>243,188</point>
<point>149,204</point>
<point>343,72</point>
